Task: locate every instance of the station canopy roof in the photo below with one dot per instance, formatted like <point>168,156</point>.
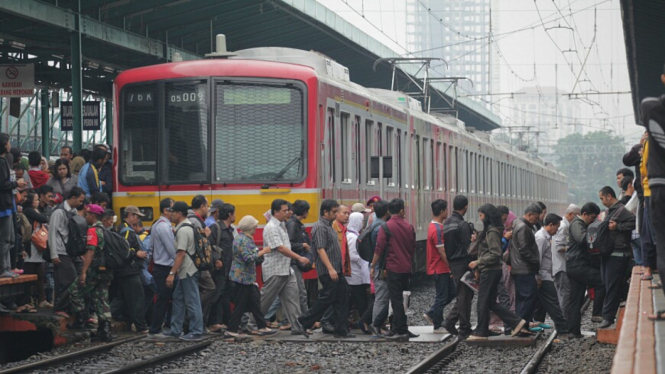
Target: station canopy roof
<point>121,34</point>
<point>645,48</point>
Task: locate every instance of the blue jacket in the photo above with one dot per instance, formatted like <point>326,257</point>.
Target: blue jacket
<point>88,181</point>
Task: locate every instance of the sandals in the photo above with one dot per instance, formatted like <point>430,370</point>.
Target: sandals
<point>26,309</point>
<point>645,277</point>
<point>656,286</point>
<point>659,316</point>
<point>273,325</point>
<point>266,331</point>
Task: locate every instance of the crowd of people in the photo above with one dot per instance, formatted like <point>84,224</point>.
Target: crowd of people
<point>197,261</point>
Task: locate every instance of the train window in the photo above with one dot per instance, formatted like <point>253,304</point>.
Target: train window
<point>331,145</point>
<point>398,158</point>
<point>358,147</point>
<point>138,126</point>
<point>186,132</point>
<point>405,159</point>
<point>369,149</point>
<point>453,169</point>
<point>260,132</point>
<point>439,160</point>
<point>345,143</point>
<point>390,146</point>
<point>427,162</point>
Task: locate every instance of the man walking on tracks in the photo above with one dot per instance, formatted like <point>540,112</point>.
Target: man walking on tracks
<point>95,277</point>
<point>457,236</point>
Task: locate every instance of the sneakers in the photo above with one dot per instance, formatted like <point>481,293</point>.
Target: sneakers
<point>597,319</point>
<point>375,331</point>
<point>605,324</point>
<point>191,338</point>
<point>440,330</point>
<point>518,328</point>
<point>8,274</point>
<point>160,336</point>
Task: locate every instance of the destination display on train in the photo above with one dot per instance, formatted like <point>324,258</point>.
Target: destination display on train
<point>252,95</point>
<point>185,96</point>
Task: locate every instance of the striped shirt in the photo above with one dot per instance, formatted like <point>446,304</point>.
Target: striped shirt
<point>274,236</point>
<point>324,236</point>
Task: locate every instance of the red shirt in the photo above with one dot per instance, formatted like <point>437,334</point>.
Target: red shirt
<point>401,245</point>
<point>435,265</point>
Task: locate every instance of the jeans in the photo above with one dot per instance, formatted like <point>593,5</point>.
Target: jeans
<point>274,307</point>
<point>580,277</point>
<point>163,306</point>
<point>397,284</point>
<point>526,295</point>
<point>637,251</point>
<point>657,215</point>
<point>381,299</point>
<point>335,295</point>
<point>613,273</point>
<point>445,293</point>
<point>461,311</point>
<point>186,296</point>
<point>647,236</point>
<point>489,279</point>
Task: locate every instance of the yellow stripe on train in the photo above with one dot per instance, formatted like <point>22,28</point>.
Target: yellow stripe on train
<point>254,204</point>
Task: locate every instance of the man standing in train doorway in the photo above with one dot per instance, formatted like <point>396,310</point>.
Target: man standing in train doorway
<point>653,118</point>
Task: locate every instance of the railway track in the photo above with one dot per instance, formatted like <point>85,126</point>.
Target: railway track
<point>437,361</point>
<point>124,356</point>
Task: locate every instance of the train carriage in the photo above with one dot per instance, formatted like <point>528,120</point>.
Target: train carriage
<point>284,123</point>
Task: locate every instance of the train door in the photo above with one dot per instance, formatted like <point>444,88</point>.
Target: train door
<point>328,164</point>
<point>187,140</point>
<point>356,155</point>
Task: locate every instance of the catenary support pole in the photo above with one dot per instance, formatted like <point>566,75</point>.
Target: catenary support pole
<point>77,82</point>
<point>46,128</point>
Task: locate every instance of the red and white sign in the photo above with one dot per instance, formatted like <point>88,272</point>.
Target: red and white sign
<point>17,80</point>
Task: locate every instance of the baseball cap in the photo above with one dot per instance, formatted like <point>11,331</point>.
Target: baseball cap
<point>359,208</point>
<point>216,204</point>
<point>94,209</point>
<point>134,210</point>
<point>180,206</point>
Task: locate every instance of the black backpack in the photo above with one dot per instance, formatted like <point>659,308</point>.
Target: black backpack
<point>116,250</point>
<point>598,235</point>
<point>365,246</point>
<point>202,256</point>
<point>77,229</point>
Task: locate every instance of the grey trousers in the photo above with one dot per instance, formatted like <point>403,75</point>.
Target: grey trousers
<point>562,289</point>
<point>6,243</point>
<point>381,300</point>
<point>286,287</point>
<point>302,291</point>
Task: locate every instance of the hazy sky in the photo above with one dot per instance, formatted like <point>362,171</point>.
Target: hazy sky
<point>530,52</point>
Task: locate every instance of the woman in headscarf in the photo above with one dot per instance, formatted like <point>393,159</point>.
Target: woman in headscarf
<point>63,180</point>
<point>247,297</point>
<point>359,279</point>
<point>489,264</point>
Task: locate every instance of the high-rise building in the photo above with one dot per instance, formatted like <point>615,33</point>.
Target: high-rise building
<point>457,31</point>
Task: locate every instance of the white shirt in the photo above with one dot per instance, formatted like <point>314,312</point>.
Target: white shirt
<point>275,235</point>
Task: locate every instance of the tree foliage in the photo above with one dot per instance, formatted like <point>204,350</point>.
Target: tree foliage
<point>590,161</point>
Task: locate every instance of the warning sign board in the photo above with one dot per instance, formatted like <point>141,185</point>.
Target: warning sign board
<point>91,116</point>
<point>17,80</point>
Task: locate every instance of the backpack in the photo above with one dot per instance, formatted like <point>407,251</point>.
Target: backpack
<point>116,250</point>
<point>382,260</point>
<point>76,244</point>
<point>25,228</point>
<point>598,235</point>
<point>365,245</point>
<point>202,257</point>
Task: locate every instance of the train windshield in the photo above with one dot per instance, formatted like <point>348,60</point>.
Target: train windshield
<point>260,132</point>
<point>249,131</point>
